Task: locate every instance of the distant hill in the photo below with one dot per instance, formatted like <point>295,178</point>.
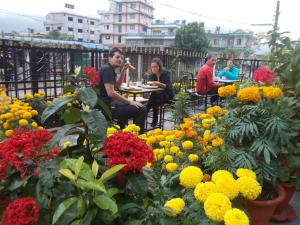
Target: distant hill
<point>20,23</point>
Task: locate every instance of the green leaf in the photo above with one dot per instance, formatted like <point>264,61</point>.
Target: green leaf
<point>138,183</point>
<point>62,208</point>
<point>88,96</point>
<point>16,183</point>
<point>96,123</point>
<point>76,222</point>
<point>87,219</point>
<point>72,115</point>
<point>112,191</point>
<point>62,132</point>
<point>105,108</point>
<point>78,165</point>
<point>55,106</point>
<point>81,207</point>
<point>92,185</point>
<point>69,88</point>
<point>68,173</point>
<point>85,171</point>
<point>133,222</point>
<point>106,203</point>
<point>110,172</point>
<point>95,168</point>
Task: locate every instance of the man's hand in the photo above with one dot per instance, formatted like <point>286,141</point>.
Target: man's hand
<point>127,66</point>
<point>155,83</point>
<point>136,104</point>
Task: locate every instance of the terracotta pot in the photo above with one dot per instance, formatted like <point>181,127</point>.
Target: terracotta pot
<point>284,211</point>
<point>261,211</point>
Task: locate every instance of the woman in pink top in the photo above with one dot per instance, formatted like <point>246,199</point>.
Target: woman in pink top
<point>205,80</point>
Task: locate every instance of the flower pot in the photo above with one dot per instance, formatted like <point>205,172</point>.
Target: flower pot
<point>284,211</point>
<point>261,211</point>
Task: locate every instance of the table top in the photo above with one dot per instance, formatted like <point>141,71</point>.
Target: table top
<point>225,80</point>
<point>141,91</point>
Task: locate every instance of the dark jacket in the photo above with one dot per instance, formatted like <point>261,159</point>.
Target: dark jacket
<point>165,78</point>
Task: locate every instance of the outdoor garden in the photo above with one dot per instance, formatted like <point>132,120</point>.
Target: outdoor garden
<point>233,165</point>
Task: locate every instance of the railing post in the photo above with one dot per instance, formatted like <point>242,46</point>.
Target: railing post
<point>33,70</point>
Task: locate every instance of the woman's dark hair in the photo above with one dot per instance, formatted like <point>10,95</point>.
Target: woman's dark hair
<point>158,62</point>
<point>112,52</point>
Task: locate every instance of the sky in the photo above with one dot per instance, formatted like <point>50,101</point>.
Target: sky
<point>229,14</point>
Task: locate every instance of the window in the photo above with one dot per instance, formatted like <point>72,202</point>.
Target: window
<point>92,32</point>
<point>80,39</point>
<point>132,27</point>
<point>171,30</point>
<point>107,27</point>
<point>47,28</point>
<point>120,18</point>
<point>239,41</point>
<point>120,28</point>
<point>106,17</point>
<point>119,39</point>
<point>92,23</point>
<point>79,20</point>
<point>79,30</point>
<point>132,16</point>
<point>216,41</point>
<point>58,28</point>
<point>70,28</point>
<point>120,7</point>
<point>132,5</point>
<point>144,29</point>
<point>107,37</point>
<point>70,18</point>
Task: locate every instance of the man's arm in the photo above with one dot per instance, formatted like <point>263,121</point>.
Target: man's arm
<point>122,74</point>
<point>210,81</point>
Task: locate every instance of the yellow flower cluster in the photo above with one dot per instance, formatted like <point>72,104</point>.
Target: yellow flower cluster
<point>272,93</point>
<point>171,167</point>
<point>203,190</point>
<point>236,217</point>
<point>187,145</point>
<point>29,97</point>
<point>133,129</point>
<point>193,158</point>
<point>249,94</point>
<point>174,206</point>
<point>111,130</point>
<point>4,99</point>
<point>241,172</point>
<point>249,187</point>
<point>190,176</point>
<point>216,111</point>
<point>216,206</point>
<point>225,91</point>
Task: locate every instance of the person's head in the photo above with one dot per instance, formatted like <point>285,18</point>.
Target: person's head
<point>211,59</point>
<point>229,63</point>
<point>115,57</point>
<point>156,65</point>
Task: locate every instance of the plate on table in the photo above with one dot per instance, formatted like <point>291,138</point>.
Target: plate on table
<point>133,88</point>
<point>150,87</point>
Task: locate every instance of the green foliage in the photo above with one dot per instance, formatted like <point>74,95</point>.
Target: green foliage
<point>192,37</point>
<point>181,109</point>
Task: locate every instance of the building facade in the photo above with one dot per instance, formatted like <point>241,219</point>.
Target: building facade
<point>124,17</point>
<point>81,28</point>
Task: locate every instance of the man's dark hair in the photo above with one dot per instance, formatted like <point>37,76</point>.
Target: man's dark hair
<point>112,51</point>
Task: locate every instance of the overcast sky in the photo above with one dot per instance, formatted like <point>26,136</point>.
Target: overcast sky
<point>229,14</point>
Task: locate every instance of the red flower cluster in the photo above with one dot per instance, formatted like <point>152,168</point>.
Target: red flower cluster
<point>22,211</point>
<point>94,76</point>
<point>264,74</point>
<point>22,149</point>
<point>126,148</point>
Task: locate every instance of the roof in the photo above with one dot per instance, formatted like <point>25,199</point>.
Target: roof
<point>73,14</point>
<point>164,25</point>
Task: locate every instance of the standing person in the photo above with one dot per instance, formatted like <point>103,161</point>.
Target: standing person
<point>205,82</point>
<point>122,108</point>
<point>230,72</point>
<point>162,79</point>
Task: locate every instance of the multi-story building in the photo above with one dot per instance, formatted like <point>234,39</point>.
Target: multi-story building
<point>81,28</point>
<point>124,17</point>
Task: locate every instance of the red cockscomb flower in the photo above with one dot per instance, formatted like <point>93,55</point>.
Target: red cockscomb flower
<point>94,76</point>
<point>126,148</point>
<point>22,211</point>
<point>264,74</point>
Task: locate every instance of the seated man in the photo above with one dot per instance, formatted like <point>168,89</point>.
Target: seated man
<point>205,82</point>
<point>230,72</point>
<point>122,108</point>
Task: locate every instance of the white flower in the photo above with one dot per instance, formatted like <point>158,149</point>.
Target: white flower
<point>86,108</point>
<point>77,70</point>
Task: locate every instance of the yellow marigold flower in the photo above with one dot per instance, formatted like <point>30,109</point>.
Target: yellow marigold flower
<point>204,116</point>
<point>9,116</point>
<point>226,91</point>
<point>149,165</point>
<point>67,144</point>
<point>187,145</point>
<point>34,112</point>
<point>37,95</point>
<point>216,205</point>
<point>42,93</point>
<point>203,190</point>
<point>207,148</point>
<point>272,92</point>
<point>206,135</point>
<point>168,159</point>
<point>214,110</point>
<point>111,130</point>
<point>190,176</point>
<point>171,167</point>
<point>8,133</point>
<point>151,140</point>
<point>6,125</point>
<point>221,173</point>
<point>193,157</point>
<point>241,172</point>
<point>28,96</point>
<point>236,217</point>
<point>174,206</point>
<point>249,188</point>
<point>217,142</point>
<point>174,150</point>
<point>227,186</point>
<point>23,123</point>
<point>27,115</point>
<point>179,154</point>
<point>34,124</point>
<point>143,137</point>
<point>249,94</point>
<point>170,138</point>
<point>41,128</point>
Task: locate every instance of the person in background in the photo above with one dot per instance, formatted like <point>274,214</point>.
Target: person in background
<point>122,108</point>
<point>230,72</point>
<point>162,79</point>
<point>205,82</point>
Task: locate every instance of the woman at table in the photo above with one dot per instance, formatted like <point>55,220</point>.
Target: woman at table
<point>230,72</point>
<point>162,79</point>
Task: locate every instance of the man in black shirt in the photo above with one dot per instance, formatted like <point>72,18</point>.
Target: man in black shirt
<point>122,108</point>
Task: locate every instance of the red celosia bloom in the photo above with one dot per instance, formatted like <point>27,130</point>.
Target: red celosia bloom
<point>23,149</point>
<point>264,74</point>
<point>126,148</point>
<point>22,211</point>
<point>94,76</point>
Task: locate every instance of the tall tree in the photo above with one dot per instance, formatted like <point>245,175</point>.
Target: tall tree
<point>192,37</point>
